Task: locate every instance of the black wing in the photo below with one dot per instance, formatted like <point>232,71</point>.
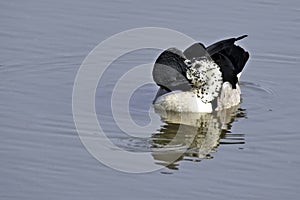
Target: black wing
<point>169,71</point>
<point>230,57</point>
<point>195,50</point>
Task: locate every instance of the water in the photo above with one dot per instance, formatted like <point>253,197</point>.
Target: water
<point>42,47</point>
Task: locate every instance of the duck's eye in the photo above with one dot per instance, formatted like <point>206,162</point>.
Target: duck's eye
<point>188,62</point>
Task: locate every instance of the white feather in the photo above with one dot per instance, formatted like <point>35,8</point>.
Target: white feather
<point>179,101</point>
<point>206,77</point>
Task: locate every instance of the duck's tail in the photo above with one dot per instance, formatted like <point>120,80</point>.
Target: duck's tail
<point>230,57</point>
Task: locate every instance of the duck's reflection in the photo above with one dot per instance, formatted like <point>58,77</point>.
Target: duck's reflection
<point>193,136</point>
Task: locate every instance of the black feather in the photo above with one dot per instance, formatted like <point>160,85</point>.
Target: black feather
<point>169,71</point>
<point>230,57</point>
<point>194,51</point>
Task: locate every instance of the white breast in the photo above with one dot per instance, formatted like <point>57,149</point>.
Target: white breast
<point>188,101</point>
<point>179,101</point>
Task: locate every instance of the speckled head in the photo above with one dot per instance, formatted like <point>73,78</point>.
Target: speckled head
<point>206,78</point>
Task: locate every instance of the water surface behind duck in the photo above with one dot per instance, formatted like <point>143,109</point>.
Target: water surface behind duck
<point>43,44</point>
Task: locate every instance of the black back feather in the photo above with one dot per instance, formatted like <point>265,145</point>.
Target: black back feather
<point>230,57</point>
<point>169,71</point>
<point>195,50</point>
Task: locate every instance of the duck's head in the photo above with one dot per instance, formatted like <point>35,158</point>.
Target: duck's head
<point>205,76</point>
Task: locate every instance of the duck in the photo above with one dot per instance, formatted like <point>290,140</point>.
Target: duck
<point>200,79</point>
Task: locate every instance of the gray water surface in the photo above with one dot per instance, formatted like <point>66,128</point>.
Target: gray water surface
<point>43,44</point>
